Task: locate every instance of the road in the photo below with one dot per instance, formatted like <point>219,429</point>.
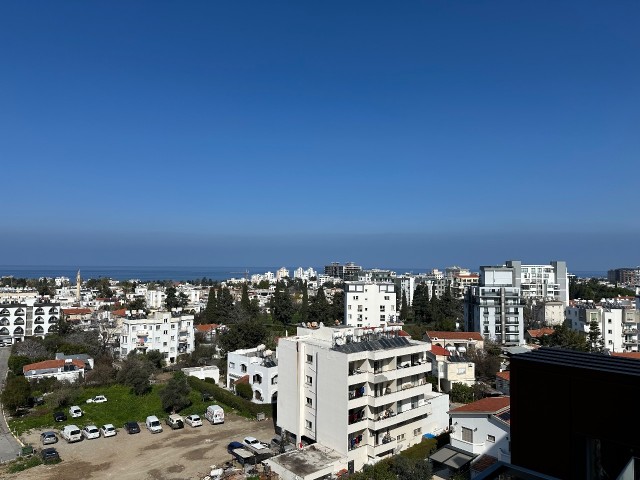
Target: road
<point>9,447</point>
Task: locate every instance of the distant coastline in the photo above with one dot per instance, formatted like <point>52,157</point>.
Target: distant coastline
<point>177,273</point>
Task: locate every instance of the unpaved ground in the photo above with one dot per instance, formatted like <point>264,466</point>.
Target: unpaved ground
<point>170,455</point>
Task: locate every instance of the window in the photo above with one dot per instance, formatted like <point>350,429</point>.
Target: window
<point>382,318</point>
<point>243,368</point>
<point>491,438</point>
<point>173,326</point>
<point>309,402</point>
<point>232,365</point>
<point>309,380</point>
<point>172,337</point>
<point>417,431</point>
<point>157,339</point>
<point>400,437</point>
<point>462,370</point>
<point>467,435</point>
<point>164,344</point>
<point>309,358</point>
<point>165,332</point>
<point>355,297</point>
<point>382,308</point>
<point>308,424</point>
<point>157,327</point>
<point>386,297</point>
<point>348,307</point>
<point>609,332</point>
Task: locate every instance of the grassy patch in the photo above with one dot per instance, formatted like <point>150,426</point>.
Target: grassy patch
<point>23,463</point>
<point>122,406</point>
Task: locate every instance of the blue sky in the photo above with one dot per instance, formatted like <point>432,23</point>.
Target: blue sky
<point>257,133</point>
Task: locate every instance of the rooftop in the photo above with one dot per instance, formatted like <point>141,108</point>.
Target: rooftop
<point>51,364</point>
<point>307,461</point>
<point>492,405</point>
<point>435,335</point>
<point>504,375</point>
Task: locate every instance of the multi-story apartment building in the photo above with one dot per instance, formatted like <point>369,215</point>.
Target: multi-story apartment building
<point>282,273</point>
<point>348,272</point>
<point>369,304</point>
<point>624,276</point>
<point>361,393</point>
<point>171,333</point>
<point>549,312</point>
<point>377,275</point>
<point>618,326</point>
<point>406,285</point>
<point>260,367</point>
<point>495,307</point>
<point>20,320</point>
<point>541,282</point>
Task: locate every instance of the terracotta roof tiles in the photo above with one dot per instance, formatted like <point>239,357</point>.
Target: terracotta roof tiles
<point>50,364</point>
<point>486,405</point>
<point>454,335</point>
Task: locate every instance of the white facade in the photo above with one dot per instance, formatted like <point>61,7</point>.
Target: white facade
<point>495,307</point>
<point>170,333</point>
<point>483,431</point>
<point>549,313</point>
<point>362,394</point>
<point>616,325</point>
<point>369,304</point>
<point>260,366</point>
<point>155,299</point>
<point>203,372</point>
<point>20,320</point>
<point>407,285</point>
<point>282,273</point>
<point>542,282</point>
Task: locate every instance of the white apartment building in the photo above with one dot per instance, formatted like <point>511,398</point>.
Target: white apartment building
<point>282,273</point>
<point>155,299</point>
<point>304,274</point>
<point>359,392</point>
<point>168,332</point>
<point>369,304</point>
<point>541,282</point>
<point>549,312</point>
<point>20,320</point>
<point>618,326</point>
<point>495,307</point>
<point>260,366</point>
<point>406,285</point>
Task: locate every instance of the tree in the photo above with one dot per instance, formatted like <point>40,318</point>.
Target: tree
<point>411,469</point>
<point>226,310</point>
<point>16,393</point>
<point>486,364</point>
<point>594,337</point>
<point>31,348</point>
<point>565,337</point>
<point>244,334</point>
<point>17,362</point>
<point>211,310</point>
<point>244,390</point>
<point>245,302</point>
<point>337,306</point>
<point>138,303</point>
<point>304,307</point>
<point>135,373</point>
<point>175,395</point>
<point>461,393</point>
<point>319,308</point>
<point>175,300</point>
<point>281,304</point>
<point>155,358</point>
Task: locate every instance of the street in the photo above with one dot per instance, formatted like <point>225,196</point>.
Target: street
<point>9,447</point>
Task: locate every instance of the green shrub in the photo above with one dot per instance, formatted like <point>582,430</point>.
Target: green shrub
<point>226,398</point>
<point>244,390</point>
<point>24,463</point>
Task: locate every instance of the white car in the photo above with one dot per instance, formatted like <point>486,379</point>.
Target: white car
<point>97,399</point>
<point>153,424</point>
<point>75,411</point>
<point>108,430</point>
<point>253,442</point>
<point>193,420</point>
<point>71,433</point>
<point>90,432</point>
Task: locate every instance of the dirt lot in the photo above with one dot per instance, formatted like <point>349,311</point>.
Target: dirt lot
<point>170,455</point>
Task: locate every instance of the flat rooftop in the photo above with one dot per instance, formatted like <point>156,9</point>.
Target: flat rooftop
<point>308,461</point>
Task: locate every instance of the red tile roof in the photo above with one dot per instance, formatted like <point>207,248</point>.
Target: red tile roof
<point>504,375</point>
<point>120,313</point>
<point>540,332</point>
<point>46,364</point>
<point>483,462</point>
<point>402,333</point>
<point>486,405</point>
<point>438,350</point>
<point>634,355</point>
<point>207,327</point>
<point>454,335</point>
<point>244,379</point>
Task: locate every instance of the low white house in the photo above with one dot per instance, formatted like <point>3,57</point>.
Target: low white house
<point>260,366</point>
<point>62,369</point>
<point>449,367</point>
<point>483,428</point>
<point>203,372</point>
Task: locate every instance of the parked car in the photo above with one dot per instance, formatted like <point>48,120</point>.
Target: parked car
<point>254,443</point>
<point>193,420</point>
<point>49,455</point>
<point>48,438</point>
<point>132,427</point>
<point>90,432</point>
<point>153,424</point>
<point>108,430</point>
<point>71,433</point>
<point>59,417</point>
<point>97,399</point>
<point>233,445</point>
<point>75,411</point>
<point>175,422</point>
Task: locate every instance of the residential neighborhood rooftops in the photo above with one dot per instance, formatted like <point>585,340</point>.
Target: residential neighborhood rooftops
<point>307,461</point>
<point>540,332</point>
<point>433,335</point>
<point>76,311</point>
<point>440,351</point>
<point>486,405</point>
<point>207,327</point>
<point>634,355</point>
<point>504,375</point>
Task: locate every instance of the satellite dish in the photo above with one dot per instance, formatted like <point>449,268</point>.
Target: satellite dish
<point>339,341</point>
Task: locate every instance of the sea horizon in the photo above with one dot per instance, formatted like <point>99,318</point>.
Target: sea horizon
<point>177,273</point>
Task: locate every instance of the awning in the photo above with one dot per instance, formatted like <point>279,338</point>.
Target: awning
<point>452,457</point>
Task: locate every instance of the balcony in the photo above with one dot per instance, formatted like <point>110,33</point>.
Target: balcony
<point>382,447</point>
<point>393,395</point>
<point>392,374</point>
<point>142,333</point>
<point>393,419</point>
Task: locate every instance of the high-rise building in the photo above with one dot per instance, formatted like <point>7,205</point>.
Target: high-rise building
<point>369,304</point>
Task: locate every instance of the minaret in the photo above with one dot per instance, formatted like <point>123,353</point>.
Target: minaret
<point>78,282</point>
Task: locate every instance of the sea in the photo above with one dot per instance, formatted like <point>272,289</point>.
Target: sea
<point>146,273</point>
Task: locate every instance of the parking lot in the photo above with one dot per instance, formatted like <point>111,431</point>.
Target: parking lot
<point>171,455</point>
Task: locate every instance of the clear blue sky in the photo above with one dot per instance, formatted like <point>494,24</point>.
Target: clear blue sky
<point>258,133</point>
